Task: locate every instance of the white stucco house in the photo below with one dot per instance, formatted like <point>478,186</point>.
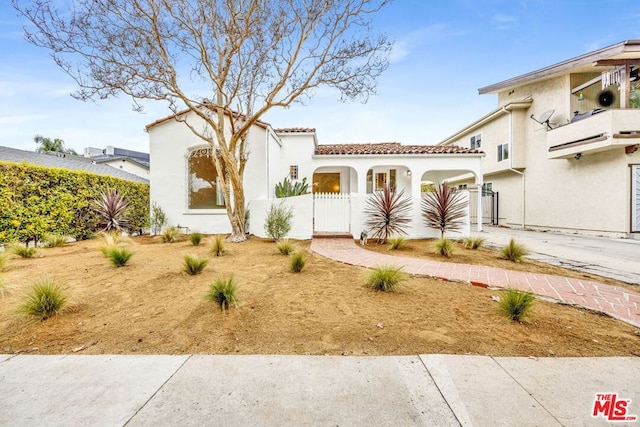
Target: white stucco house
<point>562,145</point>
<point>183,180</point>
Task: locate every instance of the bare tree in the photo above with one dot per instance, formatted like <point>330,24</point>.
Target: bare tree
<point>248,56</point>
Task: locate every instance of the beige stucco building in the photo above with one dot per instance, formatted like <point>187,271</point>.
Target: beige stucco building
<point>562,145</point>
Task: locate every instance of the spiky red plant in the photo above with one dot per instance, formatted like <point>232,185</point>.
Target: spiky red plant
<point>111,207</point>
<point>388,213</point>
<point>444,209</point>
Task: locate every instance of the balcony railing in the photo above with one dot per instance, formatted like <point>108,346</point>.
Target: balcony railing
<point>607,130</point>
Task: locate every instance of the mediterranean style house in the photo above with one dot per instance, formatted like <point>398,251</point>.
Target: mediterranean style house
<point>562,145</point>
<point>184,182</point>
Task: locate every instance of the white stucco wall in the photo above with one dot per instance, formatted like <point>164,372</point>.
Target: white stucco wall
<point>169,145</point>
<point>591,195</point>
<point>301,224</point>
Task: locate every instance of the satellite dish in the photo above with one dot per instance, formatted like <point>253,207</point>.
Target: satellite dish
<point>544,118</point>
<point>606,98</point>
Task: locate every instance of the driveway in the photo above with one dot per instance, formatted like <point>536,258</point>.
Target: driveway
<point>609,257</point>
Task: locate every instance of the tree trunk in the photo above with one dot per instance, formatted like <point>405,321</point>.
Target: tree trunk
<point>236,216</point>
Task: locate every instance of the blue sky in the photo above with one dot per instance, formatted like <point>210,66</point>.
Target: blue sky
<point>444,51</point>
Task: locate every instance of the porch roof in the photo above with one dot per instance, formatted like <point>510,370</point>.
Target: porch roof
<point>387,148</point>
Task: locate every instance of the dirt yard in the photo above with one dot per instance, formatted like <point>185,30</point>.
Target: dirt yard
<point>152,307</point>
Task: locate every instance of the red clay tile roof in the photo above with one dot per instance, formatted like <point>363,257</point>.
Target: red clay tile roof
<point>391,148</point>
<point>295,130</point>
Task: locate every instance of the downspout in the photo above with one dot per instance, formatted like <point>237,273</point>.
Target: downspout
<point>511,144</point>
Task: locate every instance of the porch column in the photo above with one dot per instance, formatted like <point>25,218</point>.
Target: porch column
<point>362,180</point>
<point>415,184</point>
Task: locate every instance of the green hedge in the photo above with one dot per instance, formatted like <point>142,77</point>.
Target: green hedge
<point>36,200</point>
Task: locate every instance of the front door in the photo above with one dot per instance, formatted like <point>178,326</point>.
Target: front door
<point>635,198</point>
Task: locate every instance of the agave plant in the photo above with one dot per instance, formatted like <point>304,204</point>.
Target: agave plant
<point>111,207</point>
<point>388,213</point>
<point>444,209</point>
<point>287,189</point>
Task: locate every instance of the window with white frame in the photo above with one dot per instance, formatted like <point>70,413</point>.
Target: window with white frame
<point>205,189</point>
<point>462,186</point>
<point>476,141</point>
<point>503,152</point>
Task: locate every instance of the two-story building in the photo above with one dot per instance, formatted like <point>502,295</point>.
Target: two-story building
<point>562,145</point>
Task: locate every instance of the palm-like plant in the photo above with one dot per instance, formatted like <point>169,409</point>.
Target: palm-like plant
<point>51,145</point>
<point>388,213</point>
<point>111,207</point>
<point>444,209</point>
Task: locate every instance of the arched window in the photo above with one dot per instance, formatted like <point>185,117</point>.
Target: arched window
<point>205,190</point>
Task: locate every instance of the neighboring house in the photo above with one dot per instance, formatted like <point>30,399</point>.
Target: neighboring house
<point>64,161</point>
<point>134,162</point>
<point>562,146</point>
<point>184,183</point>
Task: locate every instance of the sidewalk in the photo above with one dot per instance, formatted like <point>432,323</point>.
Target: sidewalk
<point>426,390</point>
<point>614,301</point>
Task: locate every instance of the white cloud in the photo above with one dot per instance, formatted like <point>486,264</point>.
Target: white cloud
<point>420,37</point>
<point>504,22</point>
<point>20,119</point>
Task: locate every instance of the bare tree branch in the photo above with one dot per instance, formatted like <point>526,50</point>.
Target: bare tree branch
<point>245,56</point>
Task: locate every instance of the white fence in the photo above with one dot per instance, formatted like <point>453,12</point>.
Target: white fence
<point>340,213</point>
<point>331,213</point>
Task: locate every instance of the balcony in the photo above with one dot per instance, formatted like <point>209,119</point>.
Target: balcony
<point>604,131</point>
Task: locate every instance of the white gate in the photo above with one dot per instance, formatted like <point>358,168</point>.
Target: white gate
<point>331,213</point>
<point>489,214</point>
<point>635,198</point>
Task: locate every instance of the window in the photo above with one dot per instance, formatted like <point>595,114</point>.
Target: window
<point>293,171</point>
<point>381,181</point>
<point>326,182</point>
<point>392,179</point>
<point>369,181</point>
<point>476,141</point>
<point>205,191</point>
<point>503,151</point>
<point>462,186</point>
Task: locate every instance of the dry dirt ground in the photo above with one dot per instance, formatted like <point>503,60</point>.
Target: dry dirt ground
<point>152,307</point>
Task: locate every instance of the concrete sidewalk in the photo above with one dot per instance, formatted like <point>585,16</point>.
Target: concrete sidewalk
<point>609,257</point>
<point>427,390</point>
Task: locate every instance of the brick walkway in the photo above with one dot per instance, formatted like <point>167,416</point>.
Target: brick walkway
<point>614,301</point>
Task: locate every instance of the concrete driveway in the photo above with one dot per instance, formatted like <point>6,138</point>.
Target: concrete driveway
<point>609,257</point>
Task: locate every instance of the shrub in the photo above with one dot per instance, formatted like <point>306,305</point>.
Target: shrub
<point>473,242</point>
<point>516,305</point>
<point>111,207</point>
<point>223,292</point>
<point>52,240</point>
<point>278,222</point>
<point>513,251</point>
<point>195,238</point>
<point>297,262</point>
<point>119,257</point>
<point>45,299</point>
<point>170,234</point>
<point>285,246</point>
<point>444,209</point>
<point>388,212</point>
<point>385,278</point>
<point>23,251</point>
<point>158,218</point>
<point>397,243</point>
<point>193,264</point>
<point>287,189</point>
<point>218,247</point>
<point>36,200</point>
<point>444,247</point>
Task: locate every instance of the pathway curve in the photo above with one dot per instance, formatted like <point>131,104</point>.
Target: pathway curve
<point>616,302</point>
